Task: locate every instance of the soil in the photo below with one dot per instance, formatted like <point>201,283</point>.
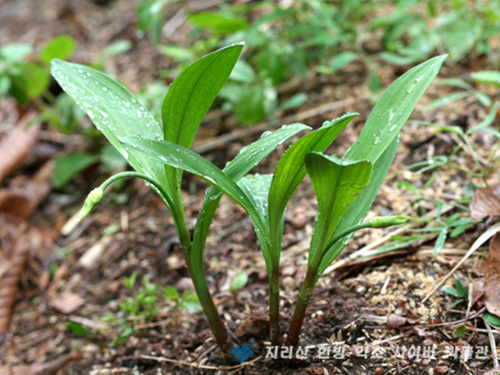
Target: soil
<point>372,309</point>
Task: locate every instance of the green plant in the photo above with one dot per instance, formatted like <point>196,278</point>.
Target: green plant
<point>160,157</point>
<point>187,302</point>
<point>265,197</point>
<point>119,115</point>
<point>461,292</point>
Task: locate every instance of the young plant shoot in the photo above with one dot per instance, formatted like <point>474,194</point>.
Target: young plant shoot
<point>118,115</point>
<point>345,188</point>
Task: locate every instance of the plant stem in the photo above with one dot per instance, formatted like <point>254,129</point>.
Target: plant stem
<point>274,305</point>
<point>301,308</point>
<point>197,273</point>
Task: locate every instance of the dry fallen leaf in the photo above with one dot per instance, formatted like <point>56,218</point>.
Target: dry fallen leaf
<point>492,277</point>
<point>16,146</point>
<point>486,202</point>
<point>9,280</point>
<point>48,368</point>
<point>68,303</point>
<point>395,321</point>
<point>24,194</point>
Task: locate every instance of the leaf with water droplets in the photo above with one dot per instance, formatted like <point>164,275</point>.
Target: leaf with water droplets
<point>176,156</point>
<point>256,187</point>
<point>337,184</point>
<point>290,171</point>
<point>361,205</point>
<point>243,163</point>
<point>393,110</point>
<point>113,110</point>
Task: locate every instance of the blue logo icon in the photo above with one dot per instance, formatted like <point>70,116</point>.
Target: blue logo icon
<point>241,353</point>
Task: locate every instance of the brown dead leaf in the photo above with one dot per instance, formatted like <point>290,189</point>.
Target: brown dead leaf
<point>395,321</point>
<point>492,277</point>
<point>48,368</point>
<point>9,280</point>
<point>68,303</point>
<point>24,194</point>
<point>486,202</point>
<point>16,146</point>
<point>493,371</point>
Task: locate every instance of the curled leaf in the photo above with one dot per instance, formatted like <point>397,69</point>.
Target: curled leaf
<point>486,202</point>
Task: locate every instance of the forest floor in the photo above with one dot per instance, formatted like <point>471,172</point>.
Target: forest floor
<point>370,307</point>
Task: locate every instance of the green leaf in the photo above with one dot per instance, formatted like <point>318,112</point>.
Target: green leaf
<point>77,328</point>
<point>28,81</point>
<point>461,288</point>
<point>114,111</point>
<point>239,282</point>
<point>179,157</point>
<point>242,72</point>
<point>342,59</point>
<point>290,171</point>
<point>488,77</point>
<point>15,52</point>
<point>193,92</point>
<point>452,291</point>
<point>171,293</point>
<point>248,157</point>
<point>67,166</point>
<point>393,110</point>
<point>219,23</point>
<point>61,47</point>
<point>445,100</point>
<point>460,331</point>
<point>256,187</point>
<point>250,107</point>
<point>361,206</point>
<point>115,48</point>
<point>189,302</point>
<point>492,319</point>
<point>440,241</point>
<point>336,184</point>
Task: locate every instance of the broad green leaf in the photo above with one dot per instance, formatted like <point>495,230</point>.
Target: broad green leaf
<point>452,291</point>
<point>77,328</point>
<point>28,81</point>
<point>61,47</point>
<point>217,22</point>
<point>242,72</point>
<point>248,157</point>
<point>251,105</point>
<point>193,92</point>
<point>178,157</point>
<point>171,293</point>
<point>488,77</point>
<point>114,111</point>
<point>239,282</point>
<point>15,51</point>
<point>256,187</point>
<point>69,165</point>
<point>336,184</point>
<point>290,171</point>
<point>393,110</point>
<point>361,206</point>
<point>492,319</point>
